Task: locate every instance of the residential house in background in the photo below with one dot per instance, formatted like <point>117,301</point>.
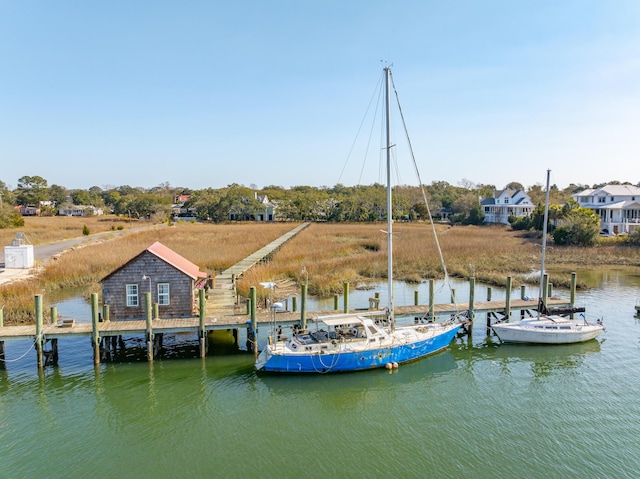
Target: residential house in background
<point>79,210</point>
<point>506,203</point>
<point>618,206</point>
<point>266,211</point>
<point>173,281</point>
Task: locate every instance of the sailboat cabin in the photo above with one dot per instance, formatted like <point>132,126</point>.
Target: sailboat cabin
<point>173,281</point>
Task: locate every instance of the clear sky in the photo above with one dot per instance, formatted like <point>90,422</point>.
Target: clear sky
<point>272,92</point>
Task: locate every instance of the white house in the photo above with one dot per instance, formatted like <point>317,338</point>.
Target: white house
<point>617,205</point>
<point>506,203</point>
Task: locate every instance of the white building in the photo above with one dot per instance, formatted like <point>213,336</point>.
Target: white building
<point>506,203</point>
<point>617,205</point>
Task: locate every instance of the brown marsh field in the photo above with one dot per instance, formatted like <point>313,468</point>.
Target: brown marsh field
<point>330,253</point>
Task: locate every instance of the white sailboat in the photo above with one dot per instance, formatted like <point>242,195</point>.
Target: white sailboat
<point>544,328</point>
<point>354,342</point>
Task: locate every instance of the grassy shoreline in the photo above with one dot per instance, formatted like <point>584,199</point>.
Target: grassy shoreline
<point>330,253</point>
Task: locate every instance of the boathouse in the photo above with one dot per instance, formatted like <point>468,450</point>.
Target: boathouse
<point>172,280</point>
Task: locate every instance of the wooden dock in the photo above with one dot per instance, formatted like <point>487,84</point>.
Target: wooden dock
<point>222,297</point>
<point>219,312</point>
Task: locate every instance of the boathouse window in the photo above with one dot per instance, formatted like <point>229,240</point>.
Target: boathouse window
<point>163,294</point>
<point>132,295</point>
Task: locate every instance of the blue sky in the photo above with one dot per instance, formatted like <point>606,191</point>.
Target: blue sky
<point>209,93</point>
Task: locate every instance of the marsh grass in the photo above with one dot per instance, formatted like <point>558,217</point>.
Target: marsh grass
<point>330,253</point>
<point>47,229</point>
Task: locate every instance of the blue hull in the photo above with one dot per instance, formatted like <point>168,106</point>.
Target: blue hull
<point>358,361</point>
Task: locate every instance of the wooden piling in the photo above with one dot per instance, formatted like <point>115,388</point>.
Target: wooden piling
<point>335,302</point>
<point>149,330</point>
<point>432,295</point>
<point>106,313</point>
<point>415,298</point>
<point>54,316</point>
<point>39,324</point>
<point>550,290</point>
<point>453,295</point>
<point>345,298</point>
<point>472,293</point>
<point>572,297</point>
<point>95,333</point>
<point>303,307</point>
<point>523,291</point>
<point>294,304</point>
<point>545,288</point>
<point>2,363</point>
<point>254,321</point>
<point>156,310</point>
<point>203,333</point>
<point>507,301</point>
<point>488,293</point>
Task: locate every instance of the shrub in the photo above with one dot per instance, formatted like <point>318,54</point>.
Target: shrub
<point>85,230</point>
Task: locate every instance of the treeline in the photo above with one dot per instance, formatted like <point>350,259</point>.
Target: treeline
<point>339,203</point>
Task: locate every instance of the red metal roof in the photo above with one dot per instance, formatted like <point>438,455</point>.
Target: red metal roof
<point>175,260</point>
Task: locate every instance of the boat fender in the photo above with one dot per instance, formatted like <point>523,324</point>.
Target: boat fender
<point>395,365</point>
<point>388,366</point>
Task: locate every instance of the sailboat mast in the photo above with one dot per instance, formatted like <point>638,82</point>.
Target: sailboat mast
<point>387,72</point>
<point>544,236</point>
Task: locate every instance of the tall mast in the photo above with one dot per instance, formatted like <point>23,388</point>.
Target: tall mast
<point>387,72</point>
<point>544,237</point>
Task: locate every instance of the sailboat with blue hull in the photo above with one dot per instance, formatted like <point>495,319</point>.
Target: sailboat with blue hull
<point>355,342</point>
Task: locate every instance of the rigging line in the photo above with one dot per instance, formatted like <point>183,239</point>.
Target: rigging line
<point>364,117</point>
<point>424,195</point>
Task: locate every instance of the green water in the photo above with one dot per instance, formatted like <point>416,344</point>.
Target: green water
<point>480,409</point>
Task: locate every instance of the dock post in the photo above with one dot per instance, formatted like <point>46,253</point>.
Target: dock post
<point>95,333</point>
<point>432,312</point>
<point>39,324</point>
<point>472,294</point>
<point>303,307</point>
<point>488,293</point>
<point>147,310</point>
<point>248,306</point>
<point>54,316</point>
<point>105,313</point>
<point>453,295</point>
<point>156,310</point>
<point>507,301</point>
<point>523,294</point>
<point>345,290</point>
<point>415,298</point>
<point>203,334</point>
<point>294,304</point>
<point>253,334</point>
<point>572,297</point>
<point>335,302</point>
<point>550,292</point>
<point>545,289</point>
<point>2,363</point>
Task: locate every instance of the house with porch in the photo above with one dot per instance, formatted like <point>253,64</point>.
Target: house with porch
<point>506,203</point>
<point>172,280</point>
<point>618,206</point>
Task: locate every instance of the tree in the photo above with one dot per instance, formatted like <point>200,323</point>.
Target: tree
<point>514,185</point>
<point>31,190</point>
<point>58,194</point>
<point>580,227</point>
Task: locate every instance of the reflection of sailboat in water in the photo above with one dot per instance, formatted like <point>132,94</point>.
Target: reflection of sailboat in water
<point>547,328</point>
<point>353,342</point>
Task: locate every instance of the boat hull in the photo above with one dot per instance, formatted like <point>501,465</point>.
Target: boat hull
<point>345,361</point>
<point>530,333</point>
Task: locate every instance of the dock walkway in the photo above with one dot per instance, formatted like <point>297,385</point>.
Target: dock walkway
<point>222,297</point>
